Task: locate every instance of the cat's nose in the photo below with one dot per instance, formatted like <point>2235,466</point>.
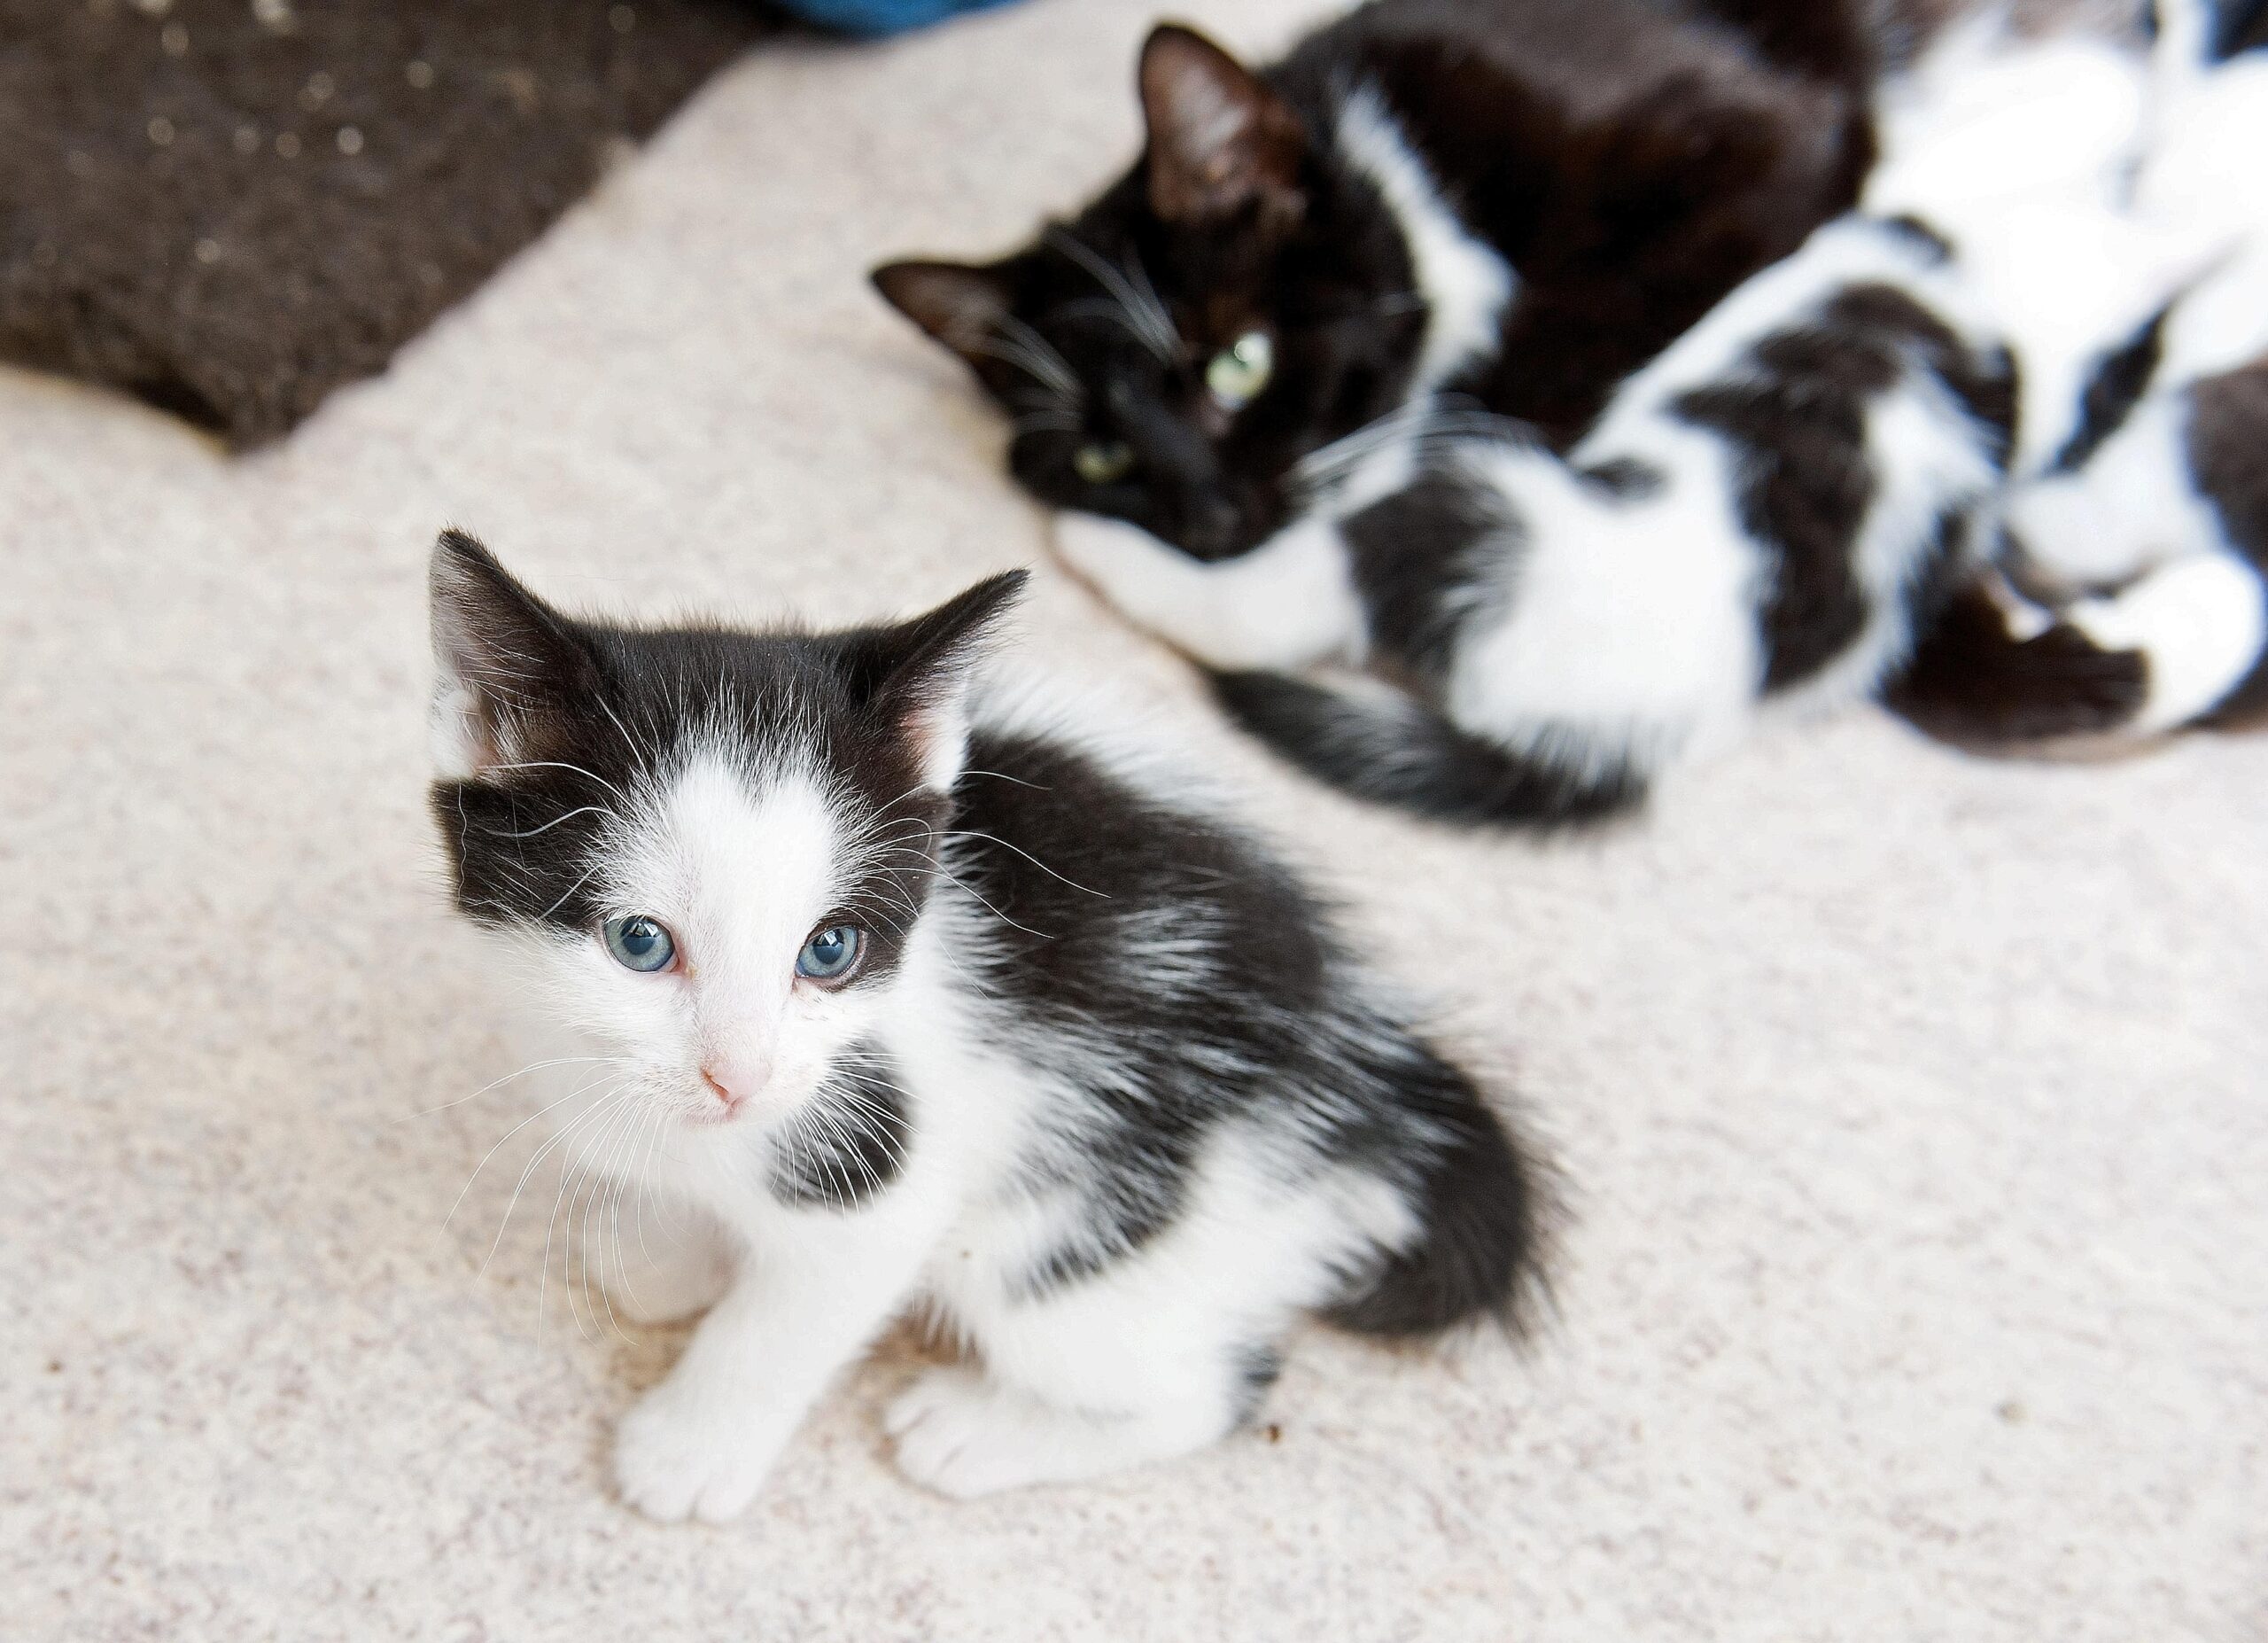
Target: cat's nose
<point>732,1083</point>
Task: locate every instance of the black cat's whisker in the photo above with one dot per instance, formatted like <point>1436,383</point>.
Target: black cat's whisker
<point>1146,317</point>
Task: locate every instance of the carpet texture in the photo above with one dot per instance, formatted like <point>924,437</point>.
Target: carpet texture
<point>227,208</point>
<point>1911,1105</point>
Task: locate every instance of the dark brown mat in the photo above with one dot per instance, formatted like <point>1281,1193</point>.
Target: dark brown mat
<point>230,207</point>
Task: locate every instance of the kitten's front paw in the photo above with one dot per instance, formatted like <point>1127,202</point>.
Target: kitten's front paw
<point>678,1456</point>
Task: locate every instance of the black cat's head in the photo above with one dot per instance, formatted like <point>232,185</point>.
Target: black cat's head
<point>1238,301</point>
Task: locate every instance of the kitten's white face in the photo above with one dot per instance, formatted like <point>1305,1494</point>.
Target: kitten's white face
<point>726,885</point>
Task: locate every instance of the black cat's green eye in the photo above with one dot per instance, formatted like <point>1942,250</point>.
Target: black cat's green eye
<point>1239,373</point>
<point>640,943</point>
<point>831,953</point>
<point>1103,462</point>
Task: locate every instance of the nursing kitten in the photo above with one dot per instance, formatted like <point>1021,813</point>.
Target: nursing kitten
<point>2148,516</point>
<point>907,991</point>
<point>1518,201</point>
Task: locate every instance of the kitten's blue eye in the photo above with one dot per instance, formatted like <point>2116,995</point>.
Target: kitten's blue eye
<point>1103,461</point>
<point>1240,372</point>
<point>830,954</point>
<point>640,943</point>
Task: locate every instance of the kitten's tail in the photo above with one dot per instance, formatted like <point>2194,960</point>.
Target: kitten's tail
<point>2184,643</point>
<point>1399,752</point>
<point>1482,1203</point>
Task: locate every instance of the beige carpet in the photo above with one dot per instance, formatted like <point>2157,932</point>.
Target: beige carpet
<point>1912,1106</point>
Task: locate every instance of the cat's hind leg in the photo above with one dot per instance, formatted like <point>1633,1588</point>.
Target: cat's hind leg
<point>964,1432</point>
<point>1288,604</point>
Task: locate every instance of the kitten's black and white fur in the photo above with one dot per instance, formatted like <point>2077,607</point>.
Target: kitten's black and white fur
<point>904,989</point>
<point>2141,525</point>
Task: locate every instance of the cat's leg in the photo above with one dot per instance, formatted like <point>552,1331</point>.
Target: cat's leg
<point>1118,1392</point>
<point>661,1261</point>
<point>798,1309</point>
<point>1289,602</point>
<point>1164,1350</point>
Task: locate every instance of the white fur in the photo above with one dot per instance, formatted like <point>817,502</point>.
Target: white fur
<point>1464,282</point>
<point>1285,604</point>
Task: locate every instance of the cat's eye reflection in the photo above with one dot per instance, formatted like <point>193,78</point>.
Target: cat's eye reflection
<point>1103,462</point>
<point>1239,373</point>
<point>641,943</point>
<point>830,954</point>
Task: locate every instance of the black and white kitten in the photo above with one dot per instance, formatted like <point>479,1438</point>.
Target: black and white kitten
<point>906,990</point>
<point>2145,513</point>
<point>1517,201</point>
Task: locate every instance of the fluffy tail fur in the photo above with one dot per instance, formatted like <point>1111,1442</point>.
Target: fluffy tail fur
<point>1483,1207</point>
<point>1404,753</point>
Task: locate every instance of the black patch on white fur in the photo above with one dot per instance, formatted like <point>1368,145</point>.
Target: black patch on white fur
<point>2116,384</point>
<point>1254,1018</point>
<point>2238,27</point>
<point>1627,479</point>
<point>1415,557</point>
<point>847,1142</point>
<point>1797,416</point>
<point>1971,681</point>
<point>1406,753</point>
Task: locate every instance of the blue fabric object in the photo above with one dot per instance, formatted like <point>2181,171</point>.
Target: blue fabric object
<point>880,17</point>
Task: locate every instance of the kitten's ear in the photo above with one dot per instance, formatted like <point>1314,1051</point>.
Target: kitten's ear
<point>960,304</point>
<point>508,666</point>
<point>1220,139</point>
<point>915,675</point>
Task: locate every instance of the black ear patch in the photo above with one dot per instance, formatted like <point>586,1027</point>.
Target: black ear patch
<point>913,672</point>
<point>1221,140</point>
<point>510,666</point>
<point>960,304</point>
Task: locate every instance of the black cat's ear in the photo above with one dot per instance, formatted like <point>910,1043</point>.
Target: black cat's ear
<point>1220,139</point>
<point>915,673</point>
<point>508,666</point>
<point>960,304</point>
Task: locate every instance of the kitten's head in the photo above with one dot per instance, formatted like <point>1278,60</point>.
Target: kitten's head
<point>712,848</point>
<point>1236,301</point>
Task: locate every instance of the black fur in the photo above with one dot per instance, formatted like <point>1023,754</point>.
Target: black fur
<point>1797,418</point>
<point>1412,555</point>
<point>1631,159</point>
<point>1252,1017</point>
<point>2228,459</point>
<point>1972,682</point>
<point>850,1140</point>
<point>2114,385</point>
<point>1405,754</point>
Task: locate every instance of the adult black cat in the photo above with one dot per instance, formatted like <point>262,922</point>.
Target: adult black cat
<point>1518,201</point>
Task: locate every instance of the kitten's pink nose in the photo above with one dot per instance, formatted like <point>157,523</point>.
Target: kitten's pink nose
<point>732,1083</point>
